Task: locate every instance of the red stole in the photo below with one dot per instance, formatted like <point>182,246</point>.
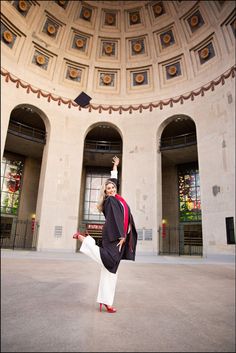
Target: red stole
<point>126,213</point>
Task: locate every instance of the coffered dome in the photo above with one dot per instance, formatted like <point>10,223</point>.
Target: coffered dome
<point>118,52</point>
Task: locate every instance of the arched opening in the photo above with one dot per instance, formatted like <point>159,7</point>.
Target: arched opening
<point>181,228</point>
<point>102,142</point>
<point>20,174</point>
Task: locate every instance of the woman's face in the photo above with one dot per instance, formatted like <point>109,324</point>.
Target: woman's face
<point>110,189</point>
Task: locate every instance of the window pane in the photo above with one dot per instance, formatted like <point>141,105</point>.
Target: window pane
<point>11,185</point>
<point>93,208</point>
<point>95,217</point>
<point>198,193</point>
<point>94,181</point>
<point>15,200</point>
<point>86,195</point>
<point>86,207</point>
<point>189,195</point>
<point>88,181</point>
<point>104,178</point>
<point>94,195</point>
<point>197,180</point>
<point>192,180</point>
<point>192,194</point>
<point>6,199</point>
<point>5,184</point>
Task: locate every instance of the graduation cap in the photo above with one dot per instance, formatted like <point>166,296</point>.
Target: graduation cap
<point>83,99</point>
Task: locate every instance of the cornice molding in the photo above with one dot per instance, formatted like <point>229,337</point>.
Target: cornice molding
<point>110,108</point>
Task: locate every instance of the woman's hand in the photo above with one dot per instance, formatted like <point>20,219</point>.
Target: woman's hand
<point>121,242</point>
<point>115,161</point>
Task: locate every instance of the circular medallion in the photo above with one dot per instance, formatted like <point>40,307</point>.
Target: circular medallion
<point>194,21</point>
<point>137,47</point>
<point>157,9</point>
<point>73,73</point>
<point>79,43</point>
<point>51,29</point>
<point>106,79</point>
<point>86,14</point>
<point>166,38</point>
<point>139,78</point>
<point>23,6</point>
<point>40,59</point>
<point>134,18</point>
<point>108,49</point>
<point>110,19</point>
<point>204,53</point>
<point>172,70</point>
<point>8,37</point>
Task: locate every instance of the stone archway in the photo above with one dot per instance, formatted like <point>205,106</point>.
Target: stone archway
<point>102,142</point>
<point>181,229</point>
<point>21,170</point>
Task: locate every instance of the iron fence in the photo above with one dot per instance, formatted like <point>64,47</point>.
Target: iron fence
<point>18,234</point>
<point>185,239</point>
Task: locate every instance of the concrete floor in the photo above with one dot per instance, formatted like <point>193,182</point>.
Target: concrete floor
<point>164,304</point>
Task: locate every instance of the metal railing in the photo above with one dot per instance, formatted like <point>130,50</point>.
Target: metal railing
<point>103,146</point>
<point>178,141</point>
<point>27,132</point>
<point>181,241</point>
<point>18,234</point>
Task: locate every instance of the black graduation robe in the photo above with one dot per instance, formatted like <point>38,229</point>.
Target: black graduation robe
<point>113,229</point>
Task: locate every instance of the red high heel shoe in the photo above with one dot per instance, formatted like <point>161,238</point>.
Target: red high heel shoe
<point>109,309</point>
<point>78,236</point>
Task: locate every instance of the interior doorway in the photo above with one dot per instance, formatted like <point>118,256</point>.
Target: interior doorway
<point>20,174</point>
<point>181,229</point>
<point>102,142</point>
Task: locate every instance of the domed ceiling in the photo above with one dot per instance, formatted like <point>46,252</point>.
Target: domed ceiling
<point>118,52</point>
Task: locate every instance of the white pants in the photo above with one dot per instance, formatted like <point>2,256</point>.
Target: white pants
<point>107,284</point>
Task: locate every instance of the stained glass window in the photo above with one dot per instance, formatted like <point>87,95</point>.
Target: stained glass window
<point>189,194</point>
<point>93,183</point>
<point>11,177</point>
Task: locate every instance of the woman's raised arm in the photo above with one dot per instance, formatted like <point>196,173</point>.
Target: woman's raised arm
<point>114,172</point>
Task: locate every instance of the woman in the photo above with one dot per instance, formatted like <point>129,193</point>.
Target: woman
<point>119,239</point>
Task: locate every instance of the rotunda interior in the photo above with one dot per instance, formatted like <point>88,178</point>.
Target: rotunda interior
<point>159,77</point>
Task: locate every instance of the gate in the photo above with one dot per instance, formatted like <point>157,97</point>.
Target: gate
<point>186,239</point>
<point>18,234</point>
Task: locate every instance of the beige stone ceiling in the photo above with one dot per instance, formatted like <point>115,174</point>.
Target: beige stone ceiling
<point>118,52</point>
